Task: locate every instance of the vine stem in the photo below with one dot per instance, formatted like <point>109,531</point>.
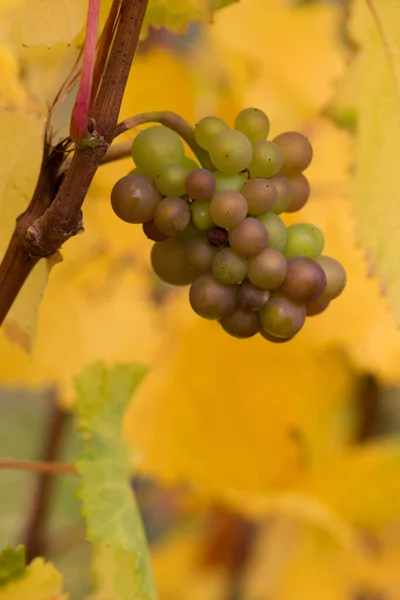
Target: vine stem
<point>47,468</point>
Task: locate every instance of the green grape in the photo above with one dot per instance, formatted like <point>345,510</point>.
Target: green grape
<point>316,308</point>
<point>228,209</point>
<point>276,230</point>
<point>201,253</point>
<point>206,129</point>
<point>305,280</point>
<point>267,270</point>
<point>134,198</point>
<point>153,233</point>
<point>201,216</point>
<point>210,299</point>
<point>254,123</point>
<point>273,339</point>
<point>335,276</point>
<point>284,194</point>
<point>261,195</point>
<point>155,148</point>
<point>171,180</point>
<point>170,262</point>
<point>296,150</point>
<point>304,239</point>
<point>241,324</point>
<point>281,317</point>
<point>172,215</point>
<point>189,164</point>
<point>266,161</point>
<point>249,238</point>
<point>224,181</point>
<point>229,268</point>
<point>200,184</point>
<point>249,297</point>
<point>300,192</point>
<point>231,151</point>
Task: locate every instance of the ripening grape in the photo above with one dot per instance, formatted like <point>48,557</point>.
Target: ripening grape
<point>231,151</point>
<point>300,189</point>
<point>170,262</point>
<point>305,280</point>
<point>171,180</point>
<point>284,193</point>
<point>153,233</point>
<point>201,215</point>
<point>206,129</point>
<point>267,270</point>
<point>296,150</point>
<point>266,161</point>
<point>241,324</point>
<point>134,198</point>
<point>261,195</point>
<point>155,148</point>
<point>200,253</point>
<point>254,123</point>
<point>281,317</point>
<point>187,234</point>
<point>229,268</point>
<point>274,339</point>
<point>304,239</point>
<point>335,276</point>
<point>210,299</point>
<point>228,209</point>
<point>172,215</point>
<point>249,238</point>
<point>249,297</point>
<point>200,184</point>
<point>225,181</point>
<point>316,308</point>
<point>276,229</point>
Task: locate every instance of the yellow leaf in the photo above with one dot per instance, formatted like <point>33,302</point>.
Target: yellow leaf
<point>41,581</point>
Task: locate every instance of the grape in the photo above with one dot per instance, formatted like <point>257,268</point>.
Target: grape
<point>335,275</point>
<point>241,324</point>
<point>281,317</point>
<point>200,184</point>
<point>249,297</point>
<point>153,233</point>
<point>284,193</point>
<point>155,148</point>
<point>171,180</point>
<point>296,150</point>
<point>206,129</point>
<point>172,215</point>
<point>304,239</point>
<point>316,308</point>
<point>261,195</point>
<point>254,123</point>
<point>266,161</point>
<point>229,268</point>
<point>187,234</point>
<point>218,237</point>
<point>267,270</point>
<point>189,164</point>
<point>134,198</point>
<point>170,262</point>
<point>210,299</point>
<point>224,181</point>
<point>272,338</point>
<point>305,280</point>
<point>201,253</point>
<point>228,209</point>
<point>249,238</point>
<point>201,215</point>
<point>300,192</point>
<point>230,151</point>
<point>276,230</point>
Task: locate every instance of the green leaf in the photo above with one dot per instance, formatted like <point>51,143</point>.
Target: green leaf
<point>108,502</point>
<point>375,76</point>
<point>12,564</point>
<point>39,581</point>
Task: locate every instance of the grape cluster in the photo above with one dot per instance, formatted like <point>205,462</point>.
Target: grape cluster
<point>220,230</point>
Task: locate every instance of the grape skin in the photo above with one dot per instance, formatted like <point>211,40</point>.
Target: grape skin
<point>230,151</point>
<point>276,229</point>
<point>200,184</point>
<point>254,123</point>
<point>201,215</point>
<point>261,195</point>
<point>304,239</point>
<point>335,275</point>
<point>284,190</point>
<point>156,147</point>
<point>267,270</point>
<point>153,233</point>
<point>206,129</point>
<point>266,161</point>
<point>241,324</point>
<point>170,263</point>
<point>300,189</point>
<point>225,181</point>
<point>210,299</point>
<point>249,238</point>
<point>134,198</point>
<point>249,297</point>
<point>274,339</point>
<point>172,215</point>
<point>296,150</point>
<point>305,280</point>
<point>316,308</point>
<point>228,209</point>
<point>229,268</point>
<point>281,317</point>
<point>201,253</point>
<point>171,180</point>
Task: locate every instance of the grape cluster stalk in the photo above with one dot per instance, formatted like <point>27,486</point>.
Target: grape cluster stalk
<point>221,232</point>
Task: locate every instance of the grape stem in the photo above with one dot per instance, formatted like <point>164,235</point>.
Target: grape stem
<point>48,468</point>
<point>170,120</point>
